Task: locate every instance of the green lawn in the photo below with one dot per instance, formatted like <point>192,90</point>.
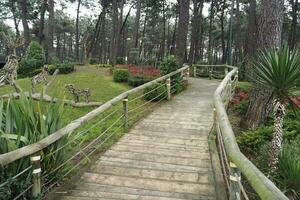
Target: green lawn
<point>102,89</point>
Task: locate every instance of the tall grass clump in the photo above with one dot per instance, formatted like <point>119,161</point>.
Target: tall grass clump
<point>23,122</point>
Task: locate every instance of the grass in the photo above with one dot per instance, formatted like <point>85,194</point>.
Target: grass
<point>102,89</point>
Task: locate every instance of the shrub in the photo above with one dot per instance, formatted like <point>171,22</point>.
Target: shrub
<point>177,84</point>
<point>120,75</point>
<point>34,59</point>
<point>241,107</point>
<point>287,174</point>
<point>168,65</point>
<point>120,61</point>
<point>103,66</point>
<point>155,92</point>
<point>138,80</point>
<point>64,68</point>
<point>93,61</point>
<point>252,140</point>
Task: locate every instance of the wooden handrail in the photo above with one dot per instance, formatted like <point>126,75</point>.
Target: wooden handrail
<point>28,150</point>
<point>264,187</point>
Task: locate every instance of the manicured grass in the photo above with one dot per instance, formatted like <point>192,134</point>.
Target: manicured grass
<point>102,89</point>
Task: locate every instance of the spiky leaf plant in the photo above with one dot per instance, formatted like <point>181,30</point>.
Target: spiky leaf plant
<point>279,71</point>
<point>23,122</point>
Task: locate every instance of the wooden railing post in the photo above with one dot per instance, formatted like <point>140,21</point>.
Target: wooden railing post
<point>195,71</point>
<point>210,73</point>
<point>234,178</point>
<point>168,88</point>
<point>125,110</point>
<point>226,70</point>
<point>36,175</point>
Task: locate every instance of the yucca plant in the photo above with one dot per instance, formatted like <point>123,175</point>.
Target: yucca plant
<point>23,122</point>
<point>279,71</point>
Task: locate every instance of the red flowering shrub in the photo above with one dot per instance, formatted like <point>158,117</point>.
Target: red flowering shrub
<point>238,97</point>
<point>145,71</point>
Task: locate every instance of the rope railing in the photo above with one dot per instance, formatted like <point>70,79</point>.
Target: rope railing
<point>81,138</point>
<point>233,162</point>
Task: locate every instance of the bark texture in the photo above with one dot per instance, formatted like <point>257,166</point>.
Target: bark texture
<point>269,36</point>
<point>279,113</point>
<point>183,23</point>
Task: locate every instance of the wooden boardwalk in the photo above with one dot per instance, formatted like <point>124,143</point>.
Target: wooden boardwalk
<point>165,156</point>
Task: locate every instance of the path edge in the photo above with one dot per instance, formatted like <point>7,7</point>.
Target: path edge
<point>220,189</point>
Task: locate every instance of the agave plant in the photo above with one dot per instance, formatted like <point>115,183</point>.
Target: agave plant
<point>279,71</point>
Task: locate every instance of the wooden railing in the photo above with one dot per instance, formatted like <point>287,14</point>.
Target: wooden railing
<point>233,161</point>
<point>35,151</point>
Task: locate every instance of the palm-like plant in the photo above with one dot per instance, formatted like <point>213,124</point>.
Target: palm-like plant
<point>278,71</point>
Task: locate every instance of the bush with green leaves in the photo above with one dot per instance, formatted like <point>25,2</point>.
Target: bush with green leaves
<point>64,68</point>
<point>24,122</point>
<point>168,65</point>
<point>138,80</point>
<point>120,75</point>
<point>242,107</point>
<point>103,66</point>
<point>120,61</point>
<point>287,173</point>
<point>252,140</point>
<point>93,61</point>
<point>34,59</point>
<point>155,92</point>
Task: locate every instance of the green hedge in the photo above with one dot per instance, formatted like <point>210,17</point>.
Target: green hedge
<point>103,65</point>
<point>136,81</point>
<point>155,92</point>
<point>120,75</point>
<point>64,68</point>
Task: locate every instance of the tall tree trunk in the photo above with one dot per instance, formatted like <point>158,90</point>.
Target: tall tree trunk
<point>50,29</point>
<point>196,24</point>
<point>211,19</point>
<point>137,24</point>
<point>13,10</point>
<point>58,46</point>
<point>251,41</point>
<point>163,40</point>
<point>141,49</point>
<point>114,35</point>
<point>183,23</point>
<point>172,49</point>
<point>293,30</point>
<point>269,36</point>
<point>24,17</point>
<point>238,40</point>
<point>223,32</point>
<point>42,21</point>
<point>77,31</point>
<point>119,44</point>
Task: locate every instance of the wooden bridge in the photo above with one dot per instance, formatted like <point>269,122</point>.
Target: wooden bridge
<point>169,154</point>
<point>164,156</point>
